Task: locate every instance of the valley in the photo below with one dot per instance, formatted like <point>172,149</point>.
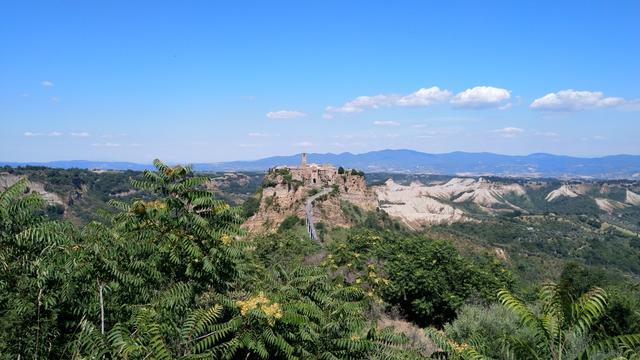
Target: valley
<point>541,221</point>
<point>382,234</point>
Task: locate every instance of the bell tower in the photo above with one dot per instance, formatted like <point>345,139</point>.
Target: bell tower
<point>303,159</point>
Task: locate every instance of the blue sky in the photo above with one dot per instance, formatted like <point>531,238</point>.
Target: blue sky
<point>203,81</point>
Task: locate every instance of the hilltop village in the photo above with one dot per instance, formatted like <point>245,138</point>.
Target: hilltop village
<point>285,189</point>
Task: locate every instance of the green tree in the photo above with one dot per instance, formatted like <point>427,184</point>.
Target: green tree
<point>35,288</point>
<point>302,317</point>
<point>430,280</point>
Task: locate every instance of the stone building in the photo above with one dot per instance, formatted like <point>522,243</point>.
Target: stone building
<point>313,175</point>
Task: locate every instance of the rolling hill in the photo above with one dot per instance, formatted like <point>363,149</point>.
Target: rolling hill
<point>410,161</point>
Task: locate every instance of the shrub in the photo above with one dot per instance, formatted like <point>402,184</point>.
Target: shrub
<point>430,280</point>
<point>487,327</point>
<point>290,222</point>
<point>251,205</point>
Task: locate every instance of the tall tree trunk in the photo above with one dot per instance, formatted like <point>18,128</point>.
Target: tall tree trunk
<point>100,288</point>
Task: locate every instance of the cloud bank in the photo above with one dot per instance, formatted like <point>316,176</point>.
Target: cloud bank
<point>572,100</point>
<point>474,98</point>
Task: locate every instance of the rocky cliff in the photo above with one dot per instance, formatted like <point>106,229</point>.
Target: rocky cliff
<point>51,198</point>
<point>285,190</point>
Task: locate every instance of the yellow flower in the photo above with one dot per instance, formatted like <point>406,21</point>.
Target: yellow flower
<point>156,204</point>
<point>458,347</point>
<point>358,281</point>
<point>260,302</point>
<point>226,239</point>
<point>273,313</point>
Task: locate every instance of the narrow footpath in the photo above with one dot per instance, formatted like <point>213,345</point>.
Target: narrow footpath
<point>308,210</point>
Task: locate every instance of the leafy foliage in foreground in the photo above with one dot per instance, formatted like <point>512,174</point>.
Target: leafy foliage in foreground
<point>559,330</point>
<point>167,278</point>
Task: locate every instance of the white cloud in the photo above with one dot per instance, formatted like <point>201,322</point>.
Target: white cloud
<point>80,134</point>
<point>361,103</point>
<point>365,136</point>
<point>422,97</point>
<point>55,99</point>
<point>52,134</point>
<point>572,100</point>
<point>285,114</point>
<point>509,132</point>
<point>327,116</point>
<point>47,83</point>
<point>386,123</point>
<point>343,136</point>
<point>303,144</point>
<point>481,97</point>
<point>506,106</point>
<point>250,145</point>
<point>595,137</point>
<point>425,97</point>
<point>257,134</point>
<point>107,144</point>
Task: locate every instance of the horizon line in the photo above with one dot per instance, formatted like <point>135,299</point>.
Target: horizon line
<point>4,162</point>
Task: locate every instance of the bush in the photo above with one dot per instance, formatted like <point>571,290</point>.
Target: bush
<point>290,222</point>
<point>430,281</point>
<point>487,326</point>
<point>251,205</point>
<point>285,249</point>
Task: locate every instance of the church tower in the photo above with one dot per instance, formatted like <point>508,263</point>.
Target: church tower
<point>303,160</point>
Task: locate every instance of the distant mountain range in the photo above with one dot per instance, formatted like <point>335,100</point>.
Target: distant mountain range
<point>409,161</point>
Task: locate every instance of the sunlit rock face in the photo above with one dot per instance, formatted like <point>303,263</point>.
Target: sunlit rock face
<point>285,189</point>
